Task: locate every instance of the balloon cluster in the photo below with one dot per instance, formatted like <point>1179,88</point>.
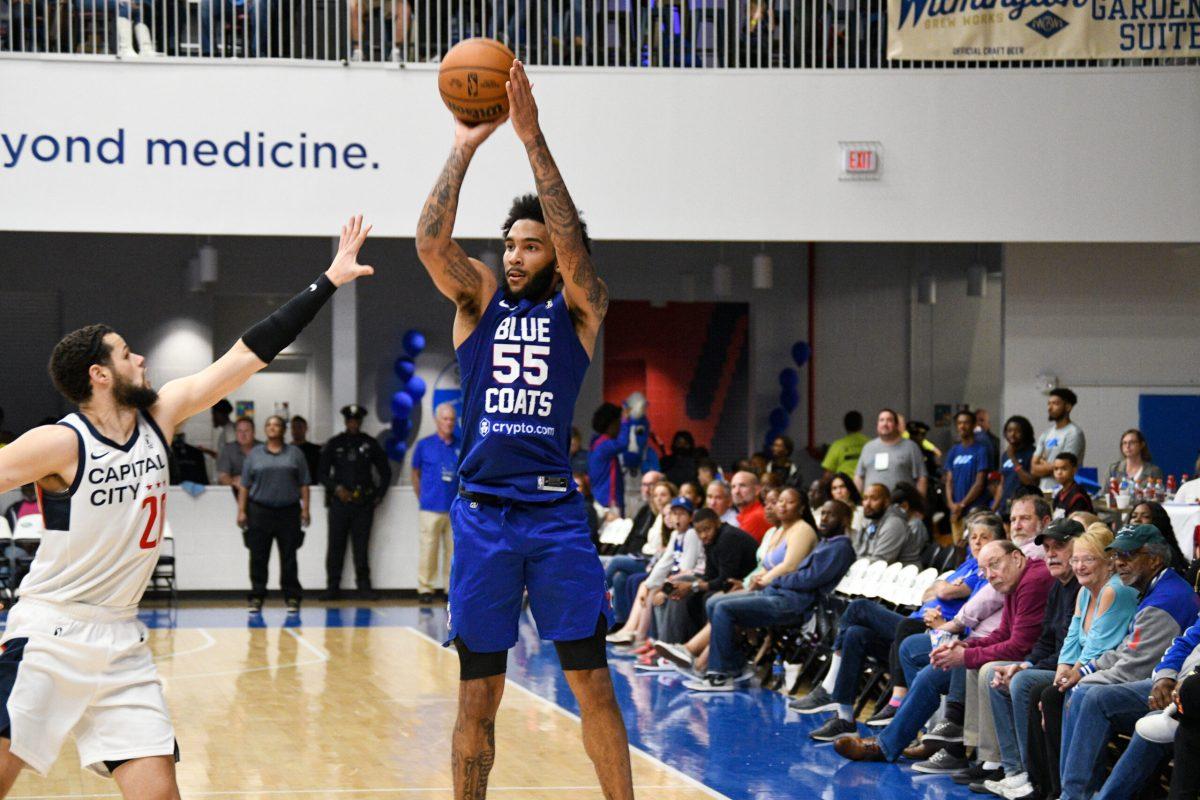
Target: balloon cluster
<point>408,399</point>
<point>789,395</point>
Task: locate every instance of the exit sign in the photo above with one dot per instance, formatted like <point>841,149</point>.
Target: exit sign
<point>860,161</point>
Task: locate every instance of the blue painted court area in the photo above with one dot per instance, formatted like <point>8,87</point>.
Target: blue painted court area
<point>744,745</point>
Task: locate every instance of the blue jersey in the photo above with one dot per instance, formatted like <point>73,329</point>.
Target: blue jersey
<point>521,370</point>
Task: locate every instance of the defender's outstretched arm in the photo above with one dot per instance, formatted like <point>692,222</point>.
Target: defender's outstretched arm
<point>184,397</point>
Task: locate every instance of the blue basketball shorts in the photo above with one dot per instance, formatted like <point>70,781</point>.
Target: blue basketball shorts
<point>505,548</point>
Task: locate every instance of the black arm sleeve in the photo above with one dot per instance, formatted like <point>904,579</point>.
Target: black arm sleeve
<point>268,338</point>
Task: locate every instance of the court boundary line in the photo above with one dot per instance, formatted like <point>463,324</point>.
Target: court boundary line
<point>688,779</point>
<point>321,658</point>
<point>210,643</point>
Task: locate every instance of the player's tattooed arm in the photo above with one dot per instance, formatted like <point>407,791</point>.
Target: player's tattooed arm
<point>464,280</point>
<point>586,293</point>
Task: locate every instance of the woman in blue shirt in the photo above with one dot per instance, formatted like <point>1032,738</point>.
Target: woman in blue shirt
<point>1014,464</point>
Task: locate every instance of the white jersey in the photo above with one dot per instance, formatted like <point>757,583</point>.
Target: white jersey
<point>102,534</point>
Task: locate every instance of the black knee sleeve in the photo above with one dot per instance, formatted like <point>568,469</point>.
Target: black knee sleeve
<point>473,666</point>
<point>589,653</point>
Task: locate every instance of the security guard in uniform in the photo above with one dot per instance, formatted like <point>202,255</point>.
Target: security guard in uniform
<point>352,491</point>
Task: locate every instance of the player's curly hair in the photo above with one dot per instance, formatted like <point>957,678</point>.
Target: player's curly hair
<point>74,355</point>
<point>528,206</point>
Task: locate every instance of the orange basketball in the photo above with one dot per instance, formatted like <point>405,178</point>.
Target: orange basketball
<point>471,79</point>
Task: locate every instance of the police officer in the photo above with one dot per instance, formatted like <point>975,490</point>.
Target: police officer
<point>352,491</point>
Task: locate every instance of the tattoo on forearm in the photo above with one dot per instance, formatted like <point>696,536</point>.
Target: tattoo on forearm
<point>437,218</point>
<point>562,221</point>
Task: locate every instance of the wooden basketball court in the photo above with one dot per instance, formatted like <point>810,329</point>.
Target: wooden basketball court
<point>344,712</point>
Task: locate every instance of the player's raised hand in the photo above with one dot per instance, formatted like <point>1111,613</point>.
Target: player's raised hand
<point>345,266</point>
<point>521,106</point>
<point>477,134</point>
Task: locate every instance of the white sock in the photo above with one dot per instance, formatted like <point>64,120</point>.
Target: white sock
<point>846,712</point>
<point>835,664</point>
<point>992,765</point>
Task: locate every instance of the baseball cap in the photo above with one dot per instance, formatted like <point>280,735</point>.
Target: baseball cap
<point>1132,537</point>
<point>684,503</point>
<point>1060,530</point>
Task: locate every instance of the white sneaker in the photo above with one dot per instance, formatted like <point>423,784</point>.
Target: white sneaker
<point>1159,727</point>
<point>711,683</point>
<point>675,653</point>
<point>145,42</point>
<point>397,55</point>
<point>125,38</point>
<point>1007,783</point>
<point>356,55</point>
<point>620,638</point>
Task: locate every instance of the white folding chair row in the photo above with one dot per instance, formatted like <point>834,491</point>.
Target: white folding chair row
<point>29,528</point>
<point>921,583</point>
<point>850,579</point>
<point>5,528</point>
<point>899,591</point>
<point>867,579</point>
<point>879,589</point>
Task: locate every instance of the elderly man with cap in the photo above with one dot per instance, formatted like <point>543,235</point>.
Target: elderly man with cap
<point>1122,685</point>
<point>356,474</point>
<point>435,481</point>
<point>1005,688</point>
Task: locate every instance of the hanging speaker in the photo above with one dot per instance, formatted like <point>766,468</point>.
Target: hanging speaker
<point>763,269</point>
<point>927,289</point>
<point>976,280</point>
<point>722,280</point>
<point>208,264</point>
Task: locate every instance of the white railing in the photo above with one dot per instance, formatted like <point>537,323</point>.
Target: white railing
<point>683,34</point>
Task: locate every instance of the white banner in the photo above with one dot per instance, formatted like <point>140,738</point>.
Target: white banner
<point>1013,155</point>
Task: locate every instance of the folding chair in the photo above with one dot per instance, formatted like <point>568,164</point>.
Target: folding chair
<point>162,580</point>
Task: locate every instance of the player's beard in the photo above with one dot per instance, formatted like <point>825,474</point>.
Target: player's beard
<point>128,394</point>
<point>538,286</point>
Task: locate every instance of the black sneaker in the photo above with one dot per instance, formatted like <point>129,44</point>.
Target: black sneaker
<point>425,598</point>
<point>977,774</point>
<point>814,702</point>
<point>945,731</point>
<point>330,594</point>
<point>254,605</point>
<point>293,605</point>
<point>942,763</point>
<point>834,729</point>
<point>882,717</point>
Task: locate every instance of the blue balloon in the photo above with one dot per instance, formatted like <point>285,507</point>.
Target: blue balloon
<point>414,342</point>
<point>415,387</point>
<point>789,378</point>
<point>789,399</point>
<point>779,418</point>
<point>401,427</point>
<point>396,451</point>
<point>801,352</point>
<point>402,404</point>
<point>405,368</point>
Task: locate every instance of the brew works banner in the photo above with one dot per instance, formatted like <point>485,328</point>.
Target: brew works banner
<point>991,30</point>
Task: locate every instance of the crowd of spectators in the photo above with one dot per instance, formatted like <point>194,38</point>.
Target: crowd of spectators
<point>1059,638</point>
<point>584,32</point>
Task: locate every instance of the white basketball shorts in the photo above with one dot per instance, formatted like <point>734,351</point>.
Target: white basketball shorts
<point>83,670</point>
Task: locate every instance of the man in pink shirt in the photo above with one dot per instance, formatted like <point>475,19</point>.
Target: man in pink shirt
<point>1025,583</point>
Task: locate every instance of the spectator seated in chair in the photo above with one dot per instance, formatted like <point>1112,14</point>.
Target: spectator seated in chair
<point>786,601</point>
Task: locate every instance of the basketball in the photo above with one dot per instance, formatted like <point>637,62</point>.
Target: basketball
<point>471,79</point>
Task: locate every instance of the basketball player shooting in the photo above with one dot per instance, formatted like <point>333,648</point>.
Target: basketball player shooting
<point>74,658</point>
<point>519,523</point>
